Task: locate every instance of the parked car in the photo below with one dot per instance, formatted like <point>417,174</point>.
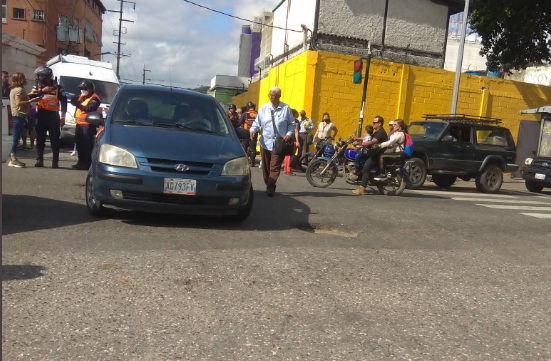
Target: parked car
<point>466,147</point>
<point>537,170</point>
<point>168,150</point>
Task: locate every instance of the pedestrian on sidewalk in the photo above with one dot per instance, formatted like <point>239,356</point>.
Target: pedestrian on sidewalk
<point>305,127</point>
<point>20,103</point>
<point>278,113</point>
<point>288,159</point>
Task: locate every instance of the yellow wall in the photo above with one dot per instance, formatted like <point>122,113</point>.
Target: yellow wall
<point>322,82</point>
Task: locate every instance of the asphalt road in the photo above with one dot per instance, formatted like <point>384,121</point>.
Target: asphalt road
<point>313,274</point>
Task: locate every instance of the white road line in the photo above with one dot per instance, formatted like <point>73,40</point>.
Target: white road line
<point>516,208</point>
<point>538,215</point>
<point>451,194</point>
<point>514,201</point>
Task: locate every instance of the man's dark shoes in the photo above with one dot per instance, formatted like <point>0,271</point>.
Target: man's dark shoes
<point>270,192</point>
<point>39,164</point>
<point>55,165</point>
<point>80,167</point>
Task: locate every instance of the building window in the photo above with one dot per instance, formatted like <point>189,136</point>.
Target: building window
<point>38,15</point>
<point>18,13</point>
<point>4,10</point>
<point>87,53</point>
<point>89,31</point>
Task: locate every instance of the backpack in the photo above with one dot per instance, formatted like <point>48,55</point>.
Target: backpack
<point>408,148</point>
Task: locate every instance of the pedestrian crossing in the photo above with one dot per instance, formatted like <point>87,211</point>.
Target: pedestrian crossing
<point>528,205</point>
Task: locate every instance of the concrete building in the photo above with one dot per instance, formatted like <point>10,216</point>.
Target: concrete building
<point>404,31</point>
<point>59,26</point>
<point>224,87</point>
<point>249,50</point>
<point>19,55</point>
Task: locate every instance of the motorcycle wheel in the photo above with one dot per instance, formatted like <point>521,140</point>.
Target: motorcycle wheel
<point>314,176</point>
<point>304,161</point>
<point>394,186</point>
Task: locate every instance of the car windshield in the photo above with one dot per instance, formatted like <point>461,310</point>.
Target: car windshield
<point>168,109</point>
<point>430,130</point>
<point>105,90</point>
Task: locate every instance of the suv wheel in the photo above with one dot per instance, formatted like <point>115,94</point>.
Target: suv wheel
<point>444,180</point>
<point>490,179</point>
<point>417,173</point>
<point>533,187</point>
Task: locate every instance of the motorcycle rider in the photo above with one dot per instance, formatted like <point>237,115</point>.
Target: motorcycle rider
<point>232,114</point>
<point>394,147</point>
<point>85,132</point>
<point>52,100</point>
<point>379,136</point>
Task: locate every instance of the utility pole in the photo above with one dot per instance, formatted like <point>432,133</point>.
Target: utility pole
<point>144,70</point>
<point>459,60</point>
<point>120,32</point>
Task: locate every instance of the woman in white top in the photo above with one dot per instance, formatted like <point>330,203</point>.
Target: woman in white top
<point>394,146</point>
<point>325,130</point>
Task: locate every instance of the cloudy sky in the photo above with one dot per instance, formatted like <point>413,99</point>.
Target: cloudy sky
<point>177,41</point>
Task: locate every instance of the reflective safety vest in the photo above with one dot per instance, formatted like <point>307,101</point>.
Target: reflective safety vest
<point>250,117</point>
<point>49,101</point>
<point>80,115</point>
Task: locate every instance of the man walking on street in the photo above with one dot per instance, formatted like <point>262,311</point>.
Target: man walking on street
<point>284,121</point>
<point>306,126</point>
<point>5,84</point>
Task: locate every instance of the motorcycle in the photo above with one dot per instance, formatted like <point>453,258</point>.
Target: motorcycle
<point>326,150</point>
<point>323,171</point>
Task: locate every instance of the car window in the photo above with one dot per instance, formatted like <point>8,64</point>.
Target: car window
<point>460,133</point>
<point>426,129</point>
<point>165,108</point>
<point>493,136</point>
<point>105,90</point>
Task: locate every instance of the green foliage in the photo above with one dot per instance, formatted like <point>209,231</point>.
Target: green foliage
<point>515,33</point>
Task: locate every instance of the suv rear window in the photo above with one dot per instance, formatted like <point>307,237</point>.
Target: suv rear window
<point>493,136</point>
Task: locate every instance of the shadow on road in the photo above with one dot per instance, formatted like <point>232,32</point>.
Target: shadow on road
<point>21,213</point>
<point>281,212</point>
<point>21,272</point>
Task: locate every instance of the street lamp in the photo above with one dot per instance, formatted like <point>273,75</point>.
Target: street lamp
<point>459,60</point>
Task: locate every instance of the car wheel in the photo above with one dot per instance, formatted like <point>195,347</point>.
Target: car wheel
<point>533,186</point>
<point>417,173</point>
<point>444,180</point>
<point>95,207</point>
<point>244,211</point>
<point>490,180</point>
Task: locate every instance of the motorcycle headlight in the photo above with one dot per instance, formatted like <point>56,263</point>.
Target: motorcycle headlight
<point>111,155</point>
<point>528,161</point>
<point>238,166</point>
<point>69,119</point>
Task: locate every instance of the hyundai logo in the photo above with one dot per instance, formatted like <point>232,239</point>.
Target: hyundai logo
<point>545,164</point>
<point>181,167</point>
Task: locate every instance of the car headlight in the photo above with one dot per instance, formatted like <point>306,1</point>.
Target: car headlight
<point>111,155</point>
<point>528,161</point>
<point>69,119</point>
<point>238,166</point>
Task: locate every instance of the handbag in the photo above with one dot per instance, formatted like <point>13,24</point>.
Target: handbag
<point>309,139</point>
<point>281,147</point>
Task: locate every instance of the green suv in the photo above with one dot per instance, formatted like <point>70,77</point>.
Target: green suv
<point>448,147</point>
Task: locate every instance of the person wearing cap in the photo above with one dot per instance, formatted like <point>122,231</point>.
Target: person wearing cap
<point>85,133</point>
<point>233,115</point>
<point>391,125</point>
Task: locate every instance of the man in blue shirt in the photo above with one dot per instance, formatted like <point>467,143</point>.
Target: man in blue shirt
<point>306,126</point>
<point>285,127</point>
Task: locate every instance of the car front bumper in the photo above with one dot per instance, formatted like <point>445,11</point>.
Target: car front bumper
<point>531,173</point>
<point>143,191</point>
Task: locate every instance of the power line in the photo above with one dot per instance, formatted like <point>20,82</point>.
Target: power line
<point>237,17</point>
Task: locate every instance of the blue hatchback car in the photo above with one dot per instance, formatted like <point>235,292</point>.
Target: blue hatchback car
<point>168,150</point>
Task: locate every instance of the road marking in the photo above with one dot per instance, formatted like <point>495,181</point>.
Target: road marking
<point>451,194</point>
<point>514,201</point>
<point>538,215</point>
<point>516,208</point>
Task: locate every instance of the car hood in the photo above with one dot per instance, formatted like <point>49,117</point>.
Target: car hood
<point>175,144</point>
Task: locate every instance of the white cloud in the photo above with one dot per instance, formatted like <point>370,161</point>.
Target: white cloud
<point>191,43</point>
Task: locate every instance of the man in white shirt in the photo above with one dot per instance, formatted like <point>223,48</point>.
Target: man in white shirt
<point>285,127</point>
<point>306,126</point>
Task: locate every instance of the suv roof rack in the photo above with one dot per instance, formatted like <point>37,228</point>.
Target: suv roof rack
<point>462,118</point>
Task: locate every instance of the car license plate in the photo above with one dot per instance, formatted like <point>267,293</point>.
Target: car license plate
<point>180,186</point>
<point>540,176</point>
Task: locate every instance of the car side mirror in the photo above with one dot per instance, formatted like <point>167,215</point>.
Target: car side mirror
<point>242,133</point>
<point>447,138</point>
<point>95,118</point>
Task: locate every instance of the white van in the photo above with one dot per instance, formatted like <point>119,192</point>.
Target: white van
<point>70,71</point>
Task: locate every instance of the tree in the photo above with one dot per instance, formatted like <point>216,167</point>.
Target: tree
<point>515,33</point>
<point>201,89</point>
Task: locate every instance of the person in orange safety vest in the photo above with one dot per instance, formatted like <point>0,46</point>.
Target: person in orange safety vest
<point>48,121</point>
<point>247,120</point>
<point>85,133</point>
